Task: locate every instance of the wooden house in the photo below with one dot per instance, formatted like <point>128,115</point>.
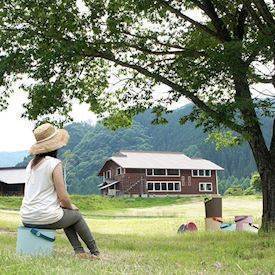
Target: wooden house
<point>12,181</point>
<point>158,174</point>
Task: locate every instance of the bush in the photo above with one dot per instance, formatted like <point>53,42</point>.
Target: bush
<point>234,191</point>
<point>249,191</point>
<point>255,182</point>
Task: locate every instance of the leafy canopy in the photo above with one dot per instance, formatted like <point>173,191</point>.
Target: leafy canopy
<point>197,49</point>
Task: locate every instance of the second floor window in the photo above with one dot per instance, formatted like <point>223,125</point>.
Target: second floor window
<point>108,174</point>
<point>201,173</point>
<point>163,172</point>
<point>119,171</point>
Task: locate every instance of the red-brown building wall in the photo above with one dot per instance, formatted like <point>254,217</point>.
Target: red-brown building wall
<point>189,184</point>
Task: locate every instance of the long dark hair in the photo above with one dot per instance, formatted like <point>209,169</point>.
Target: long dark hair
<point>37,158</point>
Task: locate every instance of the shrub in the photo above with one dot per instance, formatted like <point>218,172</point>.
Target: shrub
<point>234,191</point>
<point>249,191</point>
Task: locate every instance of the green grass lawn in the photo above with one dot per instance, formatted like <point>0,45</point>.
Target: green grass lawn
<point>143,240</point>
<point>96,202</point>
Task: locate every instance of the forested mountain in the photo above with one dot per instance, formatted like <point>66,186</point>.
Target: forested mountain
<point>8,159</point>
<point>90,146</point>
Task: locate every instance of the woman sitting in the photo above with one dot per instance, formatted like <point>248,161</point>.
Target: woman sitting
<point>46,203</point>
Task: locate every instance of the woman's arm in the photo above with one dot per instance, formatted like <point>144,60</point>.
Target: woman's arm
<point>59,184</point>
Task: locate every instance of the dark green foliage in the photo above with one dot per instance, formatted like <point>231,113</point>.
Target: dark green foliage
<point>226,185</point>
<point>234,191</point>
<point>256,182</point>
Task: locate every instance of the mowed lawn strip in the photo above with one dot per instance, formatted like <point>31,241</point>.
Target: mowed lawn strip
<point>228,253</point>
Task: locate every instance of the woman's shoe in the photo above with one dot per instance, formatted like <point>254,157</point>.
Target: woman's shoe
<point>88,256</point>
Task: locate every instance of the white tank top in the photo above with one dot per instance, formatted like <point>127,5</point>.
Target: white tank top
<point>40,203</point>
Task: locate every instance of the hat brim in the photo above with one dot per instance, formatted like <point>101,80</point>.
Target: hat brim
<point>56,142</point>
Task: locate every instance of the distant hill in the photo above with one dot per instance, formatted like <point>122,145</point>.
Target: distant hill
<point>11,158</point>
<point>90,146</point>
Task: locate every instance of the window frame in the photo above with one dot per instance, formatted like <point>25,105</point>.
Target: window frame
<point>106,173</point>
<point>204,173</point>
<point>166,182</point>
<point>166,173</point>
<point>205,184</point>
<point>160,175</point>
<point>119,169</point>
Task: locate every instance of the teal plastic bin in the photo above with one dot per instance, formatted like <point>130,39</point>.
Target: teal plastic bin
<point>35,242</point>
<point>228,227</point>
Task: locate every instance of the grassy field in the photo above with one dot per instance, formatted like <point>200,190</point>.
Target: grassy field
<point>143,240</point>
<point>96,202</point>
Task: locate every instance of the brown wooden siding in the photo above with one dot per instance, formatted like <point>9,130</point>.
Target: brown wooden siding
<point>189,184</point>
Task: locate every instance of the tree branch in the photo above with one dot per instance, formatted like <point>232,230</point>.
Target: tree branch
<point>252,56</point>
<point>241,18</point>
<point>185,52</point>
<point>260,79</point>
<point>256,18</point>
<point>263,9</point>
<point>197,24</point>
<point>218,23</point>
<point>153,38</point>
<point>214,114</point>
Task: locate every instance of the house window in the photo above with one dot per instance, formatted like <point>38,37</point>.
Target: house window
<point>170,186</point>
<point>150,186</point>
<point>159,172</point>
<point>149,172</point>
<point>119,171</point>
<point>163,172</point>
<point>205,187</point>
<point>201,173</point>
<point>195,173</point>
<point>173,172</point>
<point>108,174</point>
<point>207,173</point>
<point>164,186</point>
<point>157,186</point>
<point>209,187</point>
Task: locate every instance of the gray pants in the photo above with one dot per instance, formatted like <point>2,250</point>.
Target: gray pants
<point>73,224</point>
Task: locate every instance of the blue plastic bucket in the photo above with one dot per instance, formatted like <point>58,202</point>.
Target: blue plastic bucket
<point>35,242</point>
<point>228,227</point>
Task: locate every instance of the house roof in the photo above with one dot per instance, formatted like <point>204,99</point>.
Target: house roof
<point>161,160</point>
<point>12,175</point>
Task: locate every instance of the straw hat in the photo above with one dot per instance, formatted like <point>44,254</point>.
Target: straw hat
<point>48,138</point>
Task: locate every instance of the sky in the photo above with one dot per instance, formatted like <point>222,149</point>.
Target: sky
<point>16,132</point>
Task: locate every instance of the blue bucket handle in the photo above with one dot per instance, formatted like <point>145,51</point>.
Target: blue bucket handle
<point>37,233</point>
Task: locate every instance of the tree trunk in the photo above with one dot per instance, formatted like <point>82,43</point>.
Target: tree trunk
<point>264,157</point>
<point>266,168</point>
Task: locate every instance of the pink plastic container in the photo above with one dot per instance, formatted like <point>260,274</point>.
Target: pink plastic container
<point>241,221</point>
